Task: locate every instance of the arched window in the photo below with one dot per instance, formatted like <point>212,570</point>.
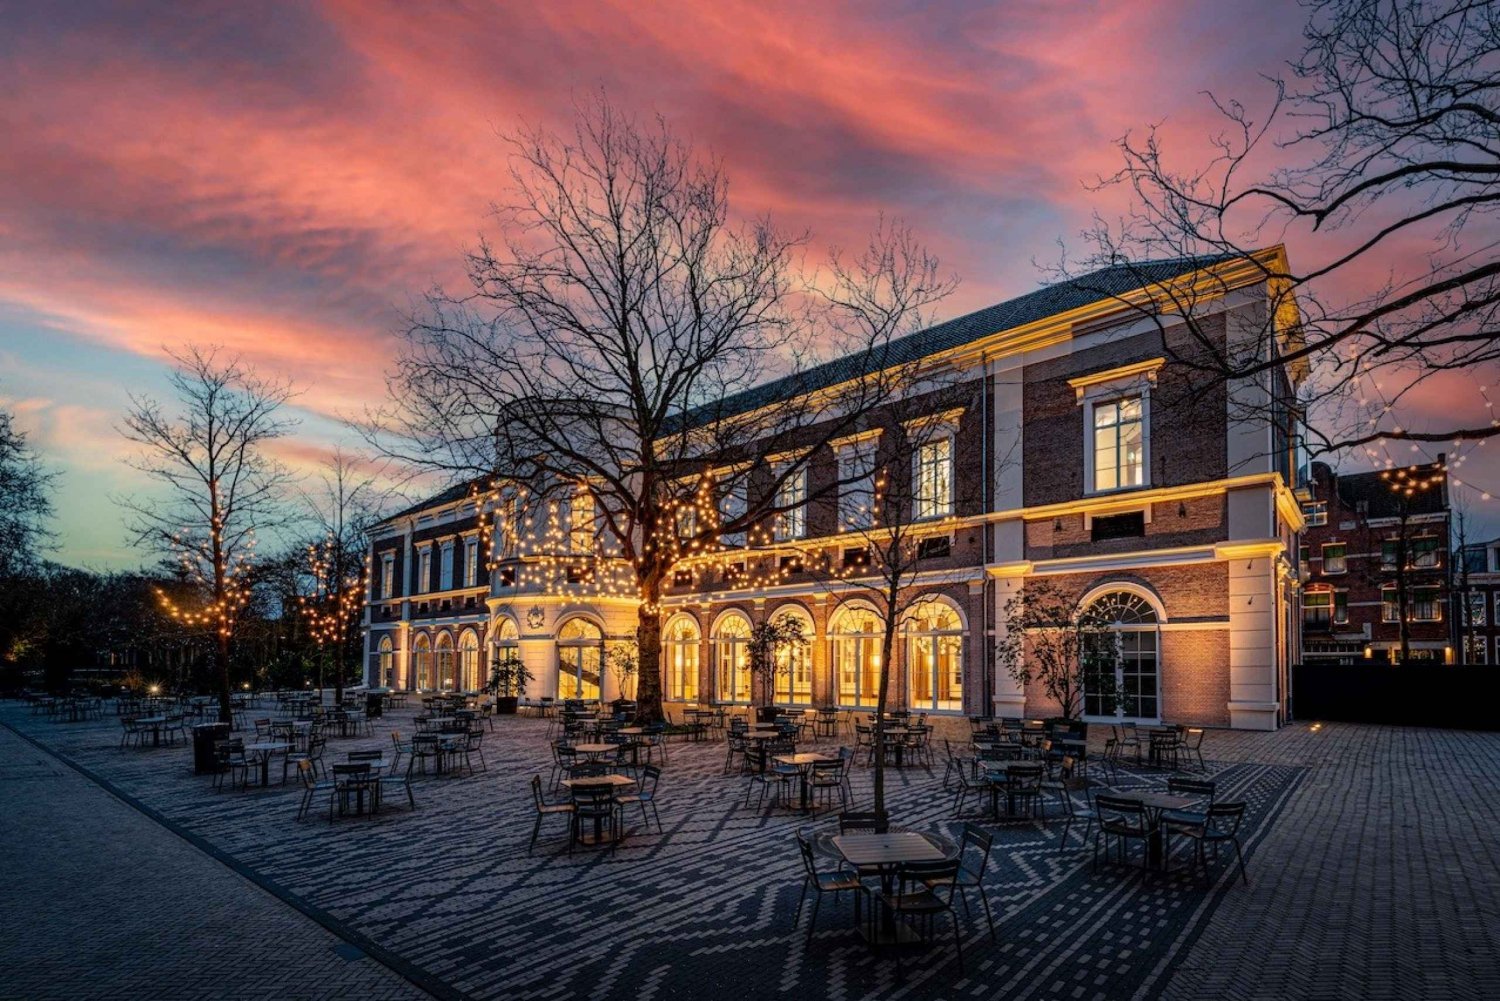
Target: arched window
<point>935,658</point>
<point>444,651</point>
<point>680,643</point>
<point>855,632</point>
<point>385,666</point>
<point>732,658</point>
<point>1121,669</point>
<point>794,667</point>
<point>580,660</point>
<point>468,661</point>
<point>421,662</point>
<point>505,642</point>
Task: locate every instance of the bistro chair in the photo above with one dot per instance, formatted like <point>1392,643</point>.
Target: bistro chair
<point>1125,821</point>
<point>1072,812</point>
<point>545,809</point>
<point>311,787</point>
<point>402,745</point>
<point>825,779</point>
<point>1221,825</point>
<point>230,758</point>
<point>1127,738</point>
<point>835,881</point>
<point>592,804</point>
<point>1199,789</point>
<point>971,866</point>
<point>313,756</point>
<point>645,795</point>
<point>969,784</point>
<point>954,762</point>
<point>1022,786</point>
<point>1192,744</point>
<point>924,890</point>
<point>864,823</point>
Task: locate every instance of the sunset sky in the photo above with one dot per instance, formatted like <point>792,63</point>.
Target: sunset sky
<point>284,180</point>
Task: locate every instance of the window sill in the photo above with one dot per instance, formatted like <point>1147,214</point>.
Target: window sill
<point>1112,491</point>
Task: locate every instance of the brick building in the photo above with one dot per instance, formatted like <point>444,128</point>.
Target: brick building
<point>1376,544</point>
<point>1083,453</point>
<point>1476,603</point>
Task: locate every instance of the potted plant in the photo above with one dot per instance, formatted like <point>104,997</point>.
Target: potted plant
<point>773,645</point>
<point>625,664</point>
<point>509,677</point>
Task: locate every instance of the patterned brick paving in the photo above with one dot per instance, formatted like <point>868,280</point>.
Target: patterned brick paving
<point>1370,865</point>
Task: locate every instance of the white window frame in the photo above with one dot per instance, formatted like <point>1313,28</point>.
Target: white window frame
<point>582,523</point>
<point>1104,388</point>
<point>856,472</point>
<point>928,506</point>
<point>1479,645</point>
<point>388,575</point>
<point>1343,560</point>
<point>1476,615</point>
<point>1334,616</point>
<point>471,562</point>
<point>791,494</point>
<point>445,566</point>
<point>424,568</point>
<point>733,502</point>
<point>1390,611</point>
<point>1315,513</point>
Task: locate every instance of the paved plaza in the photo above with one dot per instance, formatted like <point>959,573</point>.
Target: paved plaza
<point>1372,853</point>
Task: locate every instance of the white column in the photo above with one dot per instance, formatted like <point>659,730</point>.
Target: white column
<point>1009,698</point>
<point>1252,643</point>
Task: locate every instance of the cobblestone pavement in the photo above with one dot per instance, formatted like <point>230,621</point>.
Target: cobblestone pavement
<point>98,901</point>
<point>1372,870</point>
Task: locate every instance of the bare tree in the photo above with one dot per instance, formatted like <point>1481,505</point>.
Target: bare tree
<point>1050,640</point>
<point>616,351</point>
<point>221,486</point>
<point>25,501</point>
<point>1382,137</point>
<point>343,508</point>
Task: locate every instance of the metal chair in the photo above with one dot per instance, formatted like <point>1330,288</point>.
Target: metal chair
<point>834,881</point>
<point>1221,825</point>
<point>924,890</point>
<point>545,809</point>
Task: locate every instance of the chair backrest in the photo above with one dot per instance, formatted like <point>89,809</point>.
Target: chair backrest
<point>980,840</point>
<point>805,850</point>
<point>1069,763</point>
<point>877,823</point>
<point>365,755</point>
<point>651,775</point>
<point>1226,817</point>
<point>1113,805</point>
<point>536,790</point>
<point>352,771</point>
<point>1179,786</point>
<point>1194,738</point>
<point>934,875</point>
<point>305,770</point>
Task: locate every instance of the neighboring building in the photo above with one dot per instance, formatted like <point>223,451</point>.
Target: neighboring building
<point>1476,603</point>
<point>1369,548</point>
<point>1086,454</point>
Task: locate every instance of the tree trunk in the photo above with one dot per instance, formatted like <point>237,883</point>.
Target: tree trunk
<point>887,644</point>
<point>648,693</point>
<point>221,672</point>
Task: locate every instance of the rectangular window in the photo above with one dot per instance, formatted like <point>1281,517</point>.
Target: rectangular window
<point>858,556</point>
<point>791,500</point>
<point>424,570</point>
<point>471,563</point>
<point>856,486</point>
<point>1388,554</point>
<point>1334,559</point>
<point>388,575</point>
<point>1390,608</point>
<point>934,547</point>
<point>445,571</point>
<point>1316,513</point>
<point>1302,555</point>
<point>732,507</point>
<point>1423,552</point>
<point>1425,606</point>
<point>1476,608</point>
<point>1317,608</point>
<point>934,473</point>
<point>1340,608</point>
<point>1119,450</point>
<point>1477,648</point>
<point>1130,525</point>
<point>581,524</point>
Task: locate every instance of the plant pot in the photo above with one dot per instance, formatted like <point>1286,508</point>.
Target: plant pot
<point>505,705</point>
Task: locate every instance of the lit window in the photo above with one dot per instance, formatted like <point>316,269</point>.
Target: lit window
<point>856,486</point>
<point>731,645</point>
<point>732,507</point>
<point>680,651</point>
<point>471,562</point>
<point>581,524</point>
<point>1425,606</point>
<point>1317,609</point>
<point>388,575</point>
<point>934,659</point>
<point>934,473</point>
<point>1476,649</point>
<point>1424,552</point>
<point>1333,558</point>
<point>1390,607</point>
<point>791,502</point>
<point>1476,604</point>
<point>1119,436</point>
<point>793,677</point>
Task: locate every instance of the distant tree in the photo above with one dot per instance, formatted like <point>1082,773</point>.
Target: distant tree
<point>1377,162</point>
<point>773,645</point>
<point>25,500</point>
<point>221,486</point>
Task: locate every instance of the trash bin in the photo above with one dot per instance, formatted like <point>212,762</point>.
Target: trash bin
<point>374,704</point>
<point>205,735</point>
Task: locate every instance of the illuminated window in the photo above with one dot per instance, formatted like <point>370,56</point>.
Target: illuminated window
<point>1118,444</point>
<point>1476,606</point>
<point>388,575</point>
<point>385,670</point>
<point>580,660</point>
<point>424,570</point>
<point>934,475</point>
<point>421,662</point>
<point>794,663</point>
<point>855,634</point>
<point>680,647</point>
<point>791,502</point>
<point>468,661</point>
<point>581,525</point>
<point>731,644</point>
<point>1317,609</point>
<point>1425,606</point>
<point>446,680</point>
<point>471,562</point>
<point>935,659</point>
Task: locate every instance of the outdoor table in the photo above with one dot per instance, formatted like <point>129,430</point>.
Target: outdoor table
<point>155,723</point>
<point>882,738</point>
<point>804,763</point>
<point>593,752</point>
<point>263,751</point>
<point>1155,803</point>
<point>615,782</point>
<point>358,782</point>
<point>994,770</point>
<point>885,853</point>
<point>759,752</point>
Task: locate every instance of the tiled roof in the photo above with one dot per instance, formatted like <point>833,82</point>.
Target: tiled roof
<point>457,492</point>
<point>1370,493</point>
